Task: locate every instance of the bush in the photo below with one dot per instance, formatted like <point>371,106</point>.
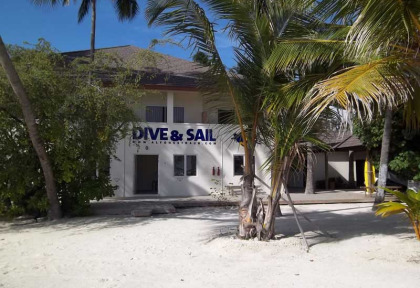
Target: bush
<point>80,121</point>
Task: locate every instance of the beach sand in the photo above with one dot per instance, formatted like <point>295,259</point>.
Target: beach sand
<point>197,248</point>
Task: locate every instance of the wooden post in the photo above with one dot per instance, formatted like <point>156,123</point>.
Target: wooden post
<point>326,170</point>
<point>369,183</point>
<point>352,184</point>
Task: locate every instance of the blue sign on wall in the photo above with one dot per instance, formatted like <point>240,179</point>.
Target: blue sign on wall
<point>164,134</point>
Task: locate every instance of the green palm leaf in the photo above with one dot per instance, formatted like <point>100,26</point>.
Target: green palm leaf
<point>390,208</point>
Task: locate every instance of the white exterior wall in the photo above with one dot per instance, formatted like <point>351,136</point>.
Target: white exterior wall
<point>150,99</point>
<point>209,154</point>
<point>191,101</point>
<point>338,165</point>
<point>193,106</point>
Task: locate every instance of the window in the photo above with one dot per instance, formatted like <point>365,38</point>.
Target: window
<point>178,165</point>
<point>178,114</point>
<point>185,163</point>
<point>158,114</point>
<point>191,165</point>
<point>238,162</point>
<point>225,117</point>
<point>155,114</point>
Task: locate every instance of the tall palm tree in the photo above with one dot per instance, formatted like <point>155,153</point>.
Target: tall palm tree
<point>383,165</point>
<point>30,121</point>
<point>371,50</point>
<point>126,10</point>
<point>255,27</point>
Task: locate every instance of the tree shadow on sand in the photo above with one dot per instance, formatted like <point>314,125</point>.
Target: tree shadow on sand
<point>342,223</point>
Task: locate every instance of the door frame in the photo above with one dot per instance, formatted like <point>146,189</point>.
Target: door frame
<point>136,175</point>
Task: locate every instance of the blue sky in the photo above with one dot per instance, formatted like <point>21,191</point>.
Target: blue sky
<point>21,21</point>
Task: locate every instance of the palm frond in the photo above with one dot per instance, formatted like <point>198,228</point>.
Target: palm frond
<point>303,54</point>
<point>390,208</point>
<point>387,81</point>
<point>51,2</point>
<point>83,10</point>
<point>126,9</point>
<point>383,22</point>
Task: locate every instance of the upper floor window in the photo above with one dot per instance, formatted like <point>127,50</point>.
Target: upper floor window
<point>178,114</point>
<point>155,114</point>
<point>159,114</point>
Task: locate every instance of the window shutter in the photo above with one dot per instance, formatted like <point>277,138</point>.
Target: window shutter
<point>155,114</point>
<point>178,114</point>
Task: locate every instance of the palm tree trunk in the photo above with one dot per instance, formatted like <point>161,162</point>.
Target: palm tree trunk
<point>247,207</point>
<point>383,169</point>
<point>309,187</point>
<point>92,32</point>
<point>29,117</point>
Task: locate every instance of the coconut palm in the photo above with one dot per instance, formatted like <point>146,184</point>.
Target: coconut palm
<point>254,27</point>
<point>30,121</point>
<point>371,51</point>
<point>409,204</point>
<point>126,10</point>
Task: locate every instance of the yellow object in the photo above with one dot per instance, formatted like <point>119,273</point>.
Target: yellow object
<point>373,177</point>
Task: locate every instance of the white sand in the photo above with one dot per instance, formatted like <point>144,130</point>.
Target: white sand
<point>186,250</point>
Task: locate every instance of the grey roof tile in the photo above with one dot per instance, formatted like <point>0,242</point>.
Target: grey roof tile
<point>168,70</point>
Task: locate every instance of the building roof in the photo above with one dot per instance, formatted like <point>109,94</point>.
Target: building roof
<point>349,142</point>
<point>166,70</point>
<point>341,140</point>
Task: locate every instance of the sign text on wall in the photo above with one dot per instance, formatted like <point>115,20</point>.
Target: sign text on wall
<point>164,134</point>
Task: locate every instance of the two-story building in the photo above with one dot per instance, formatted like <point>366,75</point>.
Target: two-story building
<point>182,147</point>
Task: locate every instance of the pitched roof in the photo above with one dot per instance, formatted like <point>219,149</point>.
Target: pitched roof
<point>349,142</point>
<point>167,70</point>
<point>341,140</point>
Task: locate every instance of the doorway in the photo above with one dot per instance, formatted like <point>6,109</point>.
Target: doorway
<point>360,173</point>
<point>146,174</point>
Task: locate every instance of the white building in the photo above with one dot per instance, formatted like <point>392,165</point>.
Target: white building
<point>181,149</point>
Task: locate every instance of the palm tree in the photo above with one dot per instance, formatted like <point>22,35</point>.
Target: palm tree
<point>255,27</point>
<point>30,121</point>
<point>126,10</point>
<point>371,50</point>
<point>309,187</point>
<point>383,166</point>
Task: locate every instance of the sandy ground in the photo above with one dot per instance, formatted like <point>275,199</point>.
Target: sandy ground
<point>195,248</point>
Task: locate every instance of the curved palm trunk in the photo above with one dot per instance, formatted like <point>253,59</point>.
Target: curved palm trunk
<point>383,169</point>
<point>309,187</point>
<point>93,31</point>
<point>247,207</point>
<point>37,143</point>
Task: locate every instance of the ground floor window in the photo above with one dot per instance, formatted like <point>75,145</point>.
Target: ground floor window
<point>238,163</point>
<point>184,163</point>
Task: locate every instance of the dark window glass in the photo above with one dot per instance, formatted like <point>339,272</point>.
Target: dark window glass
<point>155,114</point>
<point>178,114</point>
<point>238,162</point>
<point>191,165</point>
<point>226,117</point>
<point>179,165</point>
